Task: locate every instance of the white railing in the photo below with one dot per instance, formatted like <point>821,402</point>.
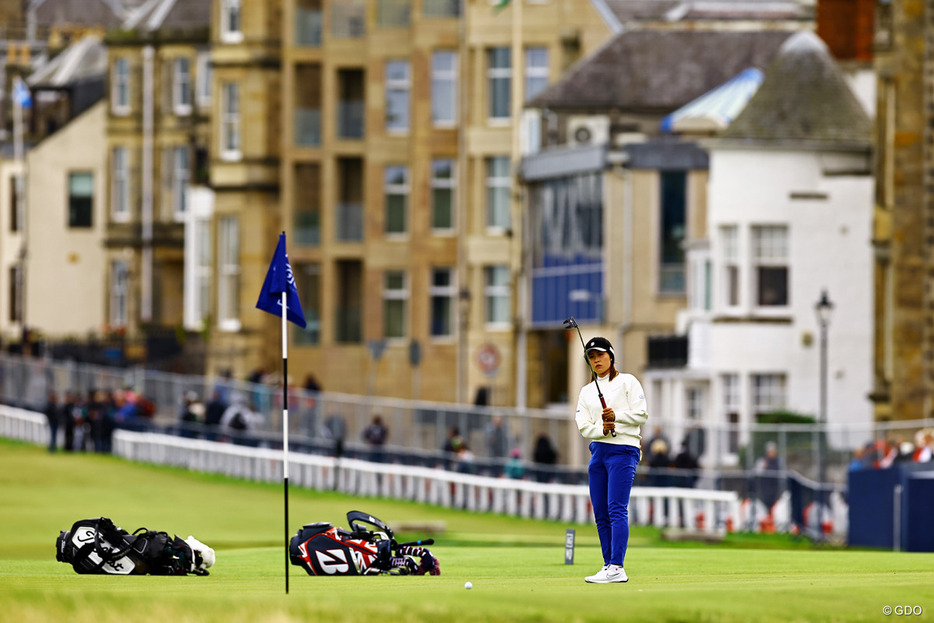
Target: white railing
<point>706,511</point>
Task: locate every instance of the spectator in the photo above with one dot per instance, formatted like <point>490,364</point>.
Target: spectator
<point>213,413</point>
<point>768,475</point>
<point>514,467</point>
<point>238,420</point>
<point>310,405</point>
<point>925,446</point>
<point>856,463</point>
<point>659,463</point>
<point>69,420</point>
<point>192,415</point>
<point>222,387</point>
<point>53,413</point>
<point>375,435</point>
<point>451,445</point>
<point>465,459</point>
<point>686,467</point>
<point>497,442</point>
<point>336,430</point>
<point>545,456</point>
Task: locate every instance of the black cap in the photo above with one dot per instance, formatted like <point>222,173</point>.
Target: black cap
<point>601,344</point>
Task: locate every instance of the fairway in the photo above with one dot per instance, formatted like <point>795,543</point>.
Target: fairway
<point>516,566</point>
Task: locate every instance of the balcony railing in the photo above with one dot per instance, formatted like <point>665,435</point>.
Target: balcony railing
<point>308,127</point>
<point>349,222</point>
<point>307,227</point>
<point>308,26</point>
<point>441,8</point>
<point>350,119</point>
<point>668,351</point>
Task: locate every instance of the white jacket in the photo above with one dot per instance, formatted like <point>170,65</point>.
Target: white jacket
<point>624,394</point>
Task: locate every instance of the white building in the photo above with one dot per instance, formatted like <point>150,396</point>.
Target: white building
<point>789,216</point>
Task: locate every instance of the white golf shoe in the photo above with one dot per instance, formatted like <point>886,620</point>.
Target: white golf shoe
<point>608,575</point>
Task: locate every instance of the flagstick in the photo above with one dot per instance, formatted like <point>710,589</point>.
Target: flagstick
<point>285,433</point>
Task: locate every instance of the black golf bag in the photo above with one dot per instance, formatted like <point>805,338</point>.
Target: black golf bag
<point>322,549</point>
<point>98,546</point>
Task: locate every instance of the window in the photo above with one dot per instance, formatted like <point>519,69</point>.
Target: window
<point>395,299</point>
<point>729,237</point>
<point>308,282</point>
<point>499,83</point>
<point>768,393</point>
<point>80,199</point>
<point>230,121</point>
<point>443,292</point>
<point>228,260</point>
<point>14,203</point>
<point>120,87</point>
<point>16,293</point>
<point>496,294</point>
<point>181,173</point>
<point>203,77</point>
<point>120,180</point>
<point>673,209</point>
<point>498,186</point>
<point>181,86</point>
<point>230,21</point>
<point>536,71</point>
<point>694,401</point>
<point>119,279</point>
<point>770,257</point>
<point>396,189</point>
<point>731,409</point>
<point>398,85</point>
<point>443,183</point>
<point>444,88</point>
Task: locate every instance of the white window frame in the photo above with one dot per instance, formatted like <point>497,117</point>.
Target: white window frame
<point>396,296</point>
<point>769,392</point>
<point>120,185</point>
<point>535,73</point>
<point>230,135</point>
<point>181,177</point>
<point>770,250</point>
<point>494,185</point>
<point>446,184</point>
<point>446,292</point>
<point>203,76</point>
<point>231,21</point>
<point>494,74</point>
<point>401,86</point>
<point>732,274</point>
<point>119,293</point>
<point>732,403</point>
<point>228,269</point>
<point>181,86</point>
<point>391,189</point>
<point>120,86</point>
<point>495,291</point>
<point>446,79</point>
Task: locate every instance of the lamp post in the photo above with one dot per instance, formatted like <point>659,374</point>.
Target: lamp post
<point>824,309</point>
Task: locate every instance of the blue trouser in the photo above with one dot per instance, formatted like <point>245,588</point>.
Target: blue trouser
<point>612,470</point>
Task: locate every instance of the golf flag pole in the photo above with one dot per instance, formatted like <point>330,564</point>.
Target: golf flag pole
<point>279,297</point>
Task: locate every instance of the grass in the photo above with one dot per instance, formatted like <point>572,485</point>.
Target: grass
<point>516,566</point>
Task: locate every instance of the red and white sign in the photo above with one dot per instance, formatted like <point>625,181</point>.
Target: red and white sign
<point>488,358</point>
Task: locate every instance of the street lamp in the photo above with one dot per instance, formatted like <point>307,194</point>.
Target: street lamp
<point>824,309</point>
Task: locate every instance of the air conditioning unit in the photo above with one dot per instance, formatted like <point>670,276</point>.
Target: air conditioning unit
<point>588,131</point>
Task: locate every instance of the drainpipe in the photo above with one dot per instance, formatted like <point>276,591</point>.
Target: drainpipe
<point>147,173</point>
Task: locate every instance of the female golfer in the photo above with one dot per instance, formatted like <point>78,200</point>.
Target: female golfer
<point>613,459</point>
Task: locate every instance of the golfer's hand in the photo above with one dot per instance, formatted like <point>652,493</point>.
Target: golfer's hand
<point>609,415</point>
<point>608,428</point>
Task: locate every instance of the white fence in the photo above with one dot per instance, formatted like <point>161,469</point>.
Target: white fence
<point>706,511</point>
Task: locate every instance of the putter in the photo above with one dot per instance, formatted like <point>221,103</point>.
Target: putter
<point>570,323</point>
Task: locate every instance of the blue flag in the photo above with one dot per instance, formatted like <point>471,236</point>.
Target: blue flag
<point>279,279</point>
<point>21,95</point>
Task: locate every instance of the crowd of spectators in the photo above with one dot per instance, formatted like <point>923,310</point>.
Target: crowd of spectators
<point>89,419</point>
<point>884,453</point>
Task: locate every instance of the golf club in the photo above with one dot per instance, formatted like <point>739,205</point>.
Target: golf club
<point>570,323</point>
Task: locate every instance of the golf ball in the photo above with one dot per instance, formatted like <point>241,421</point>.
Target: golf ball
<point>468,585</point>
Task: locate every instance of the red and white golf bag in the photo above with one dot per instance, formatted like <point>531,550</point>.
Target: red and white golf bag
<point>323,549</point>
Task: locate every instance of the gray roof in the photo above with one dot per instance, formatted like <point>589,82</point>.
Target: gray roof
<point>659,70</point>
<point>106,13</point>
<point>85,58</point>
<point>803,98</point>
<point>708,10</point>
<point>177,15</point>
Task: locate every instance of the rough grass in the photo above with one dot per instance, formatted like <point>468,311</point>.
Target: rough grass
<point>516,566</point>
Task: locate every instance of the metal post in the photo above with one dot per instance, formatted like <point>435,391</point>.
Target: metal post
<point>824,308</point>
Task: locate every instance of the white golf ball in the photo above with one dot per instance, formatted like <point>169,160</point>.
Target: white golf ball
<point>468,585</point>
